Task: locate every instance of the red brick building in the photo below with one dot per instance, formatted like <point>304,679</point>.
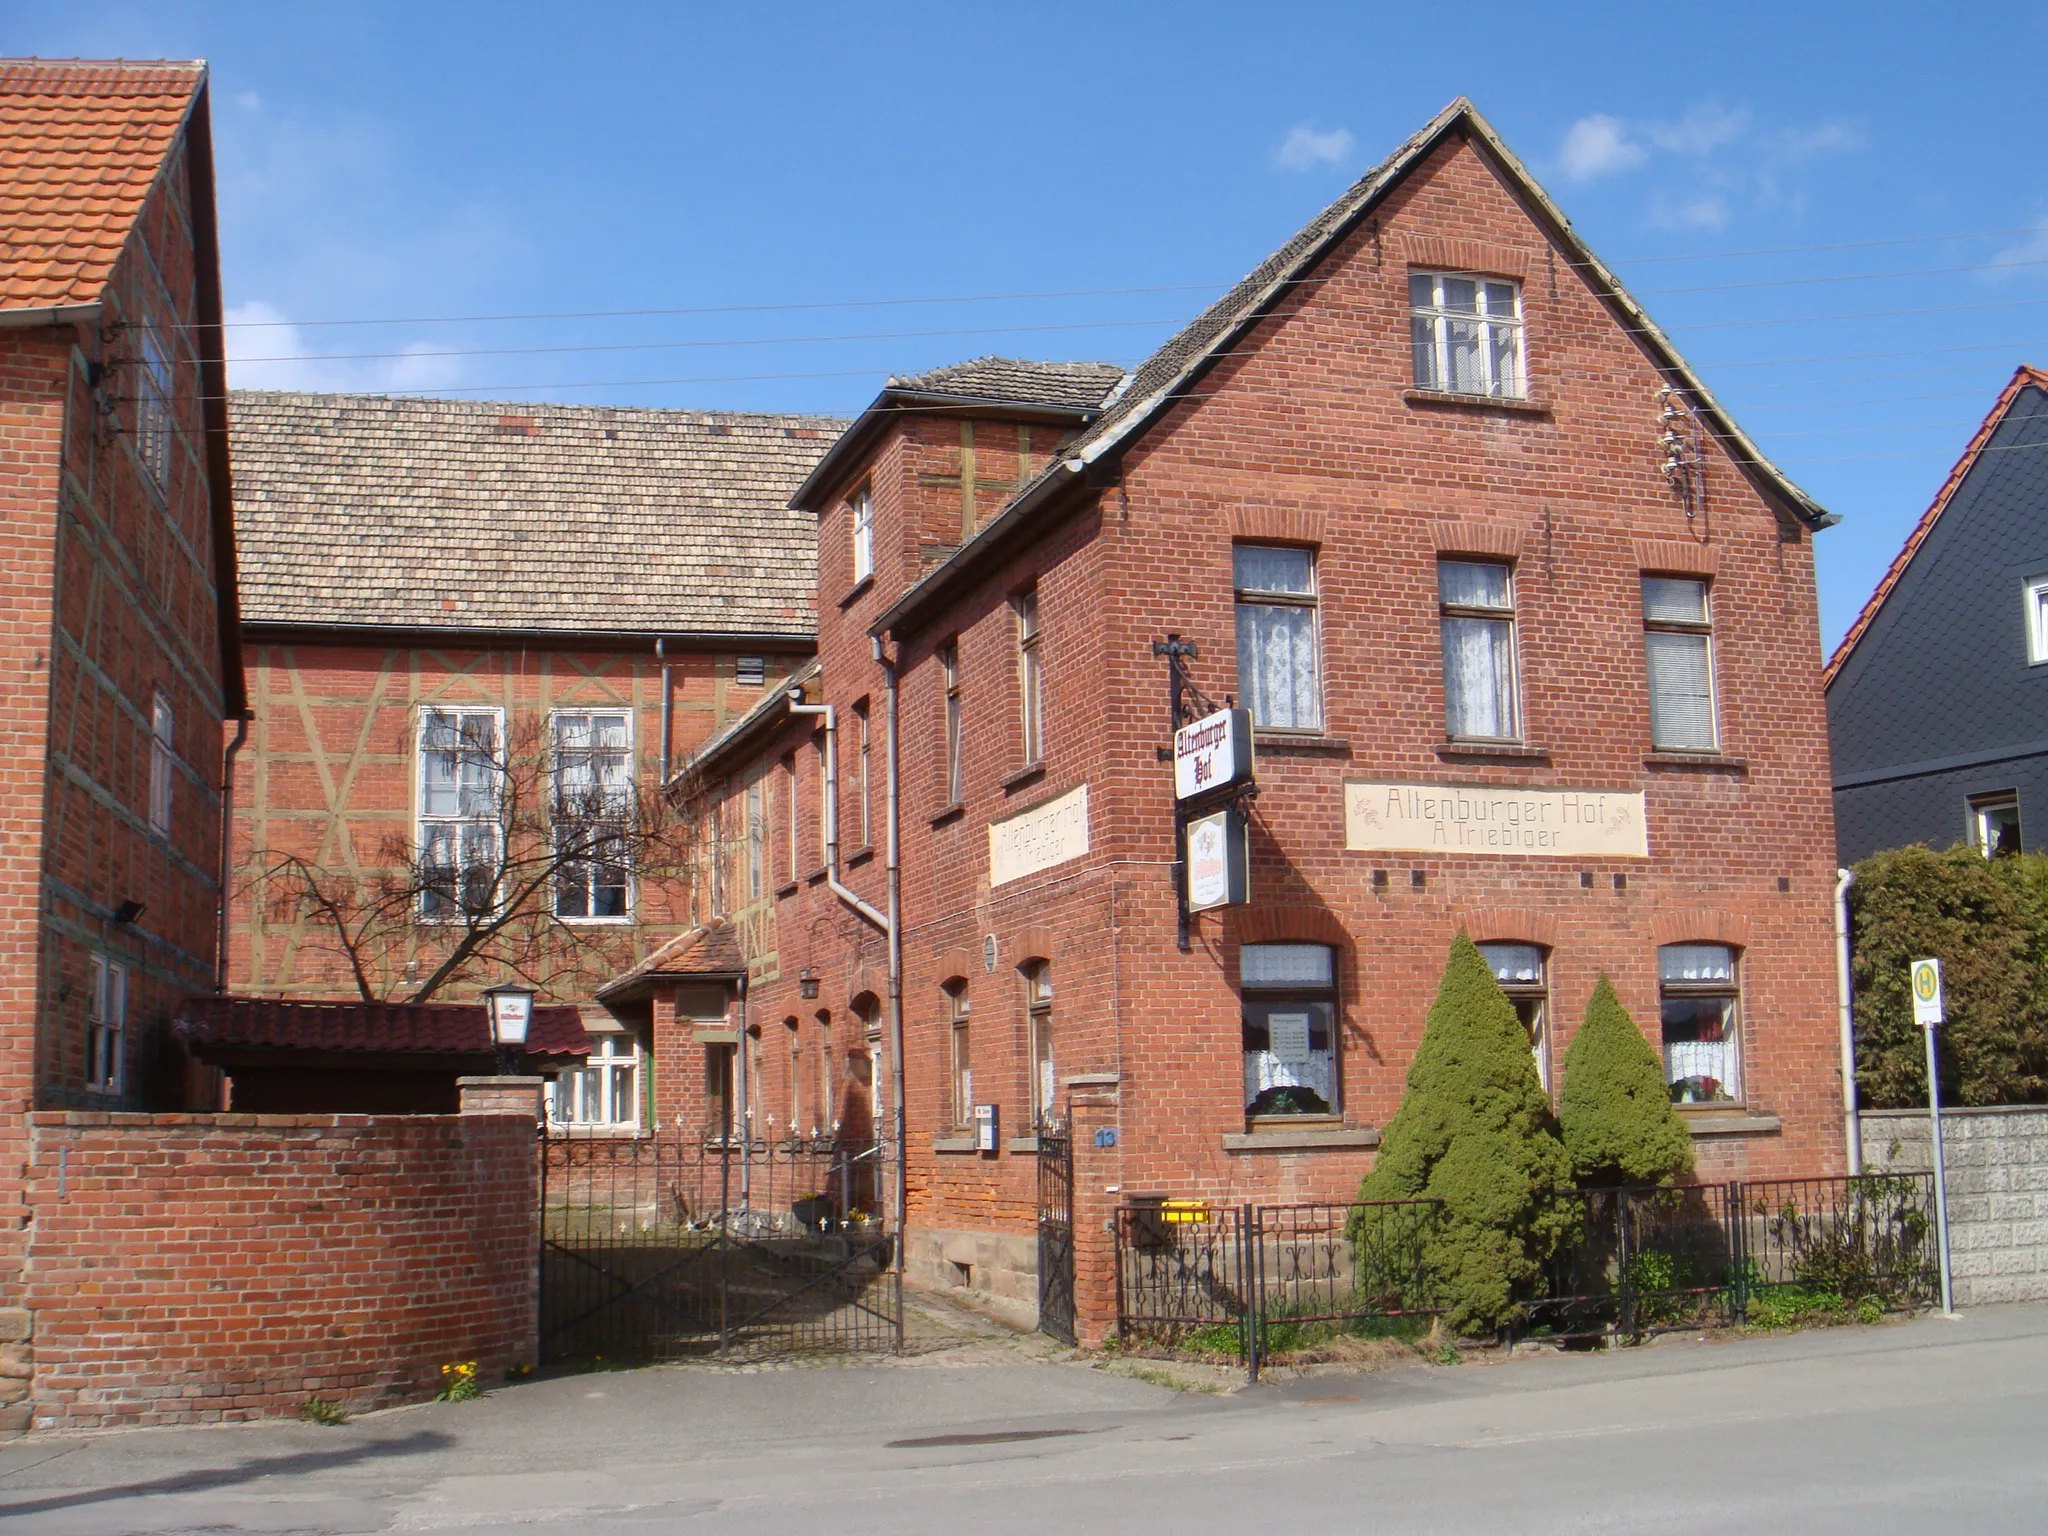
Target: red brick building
<point>1526,630</point>
<point>578,590</point>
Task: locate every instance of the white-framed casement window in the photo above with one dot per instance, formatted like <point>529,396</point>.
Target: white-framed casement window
<point>1289,998</point>
<point>793,849</point>
<point>1038,1015</point>
<point>1466,333</point>
<point>1476,608</point>
<point>861,745</point>
<point>162,762</point>
<point>961,1055</point>
<point>605,1090</point>
<point>863,508</point>
<point>1678,648</point>
<point>1700,995</point>
<point>1520,971</point>
<point>757,840</point>
<point>154,390</point>
<point>1995,822</point>
<point>794,1031</point>
<point>461,774</point>
<point>591,813</point>
<point>2035,595</point>
<point>949,678</point>
<point>1279,667</point>
<point>826,1117</point>
<point>106,1026</point>
<point>1030,693</point>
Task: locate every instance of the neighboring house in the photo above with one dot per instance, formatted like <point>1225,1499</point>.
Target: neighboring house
<point>440,597</point>
<point>1938,694</point>
<point>1525,627</point>
<point>118,636</point>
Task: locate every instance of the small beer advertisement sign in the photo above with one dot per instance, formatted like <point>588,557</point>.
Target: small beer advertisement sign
<point>1218,869</point>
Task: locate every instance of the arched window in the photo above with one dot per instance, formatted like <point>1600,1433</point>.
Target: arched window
<point>1038,1030</point>
<point>1700,996</point>
<point>1289,993</point>
<point>794,1031</point>
<point>827,1116</point>
<point>962,1057</point>
<point>1523,975</point>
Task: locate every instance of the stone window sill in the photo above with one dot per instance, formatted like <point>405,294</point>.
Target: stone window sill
<point>857,590</point>
<point>1030,773</point>
<point>1514,405</point>
<point>813,876</point>
<point>1287,744</point>
<point>1722,1122</point>
<point>1504,751</point>
<point>860,855</point>
<point>946,813</point>
<point>1022,1144</point>
<point>1307,1139</point>
<point>953,1144</point>
<point>1709,762</point>
<point>787,888</point>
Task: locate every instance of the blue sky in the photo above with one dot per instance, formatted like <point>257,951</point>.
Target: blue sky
<point>1073,181</point>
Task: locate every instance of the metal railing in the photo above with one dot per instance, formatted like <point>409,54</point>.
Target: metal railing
<point>1256,1279</point>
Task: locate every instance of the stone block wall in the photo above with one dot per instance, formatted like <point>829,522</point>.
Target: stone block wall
<point>1997,1164</point>
<point>198,1268</point>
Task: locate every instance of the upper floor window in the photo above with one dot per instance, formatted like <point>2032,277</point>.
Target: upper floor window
<point>1678,647</point>
<point>1289,996</point>
<point>1038,1015</point>
<point>1278,664</point>
<point>949,677</point>
<point>161,763</point>
<point>1476,604</point>
<point>863,505</point>
<point>2037,620</point>
<point>591,812</point>
<point>1466,333</point>
<point>789,816</point>
<point>1698,993</point>
<point>605,1090</point>
<point>861,745</point>
<point>460,771</point>
<point>106,1027</point>
<point>1518,968</point>
<point>153,396</point>
<point>1029,690</point>
<point>757,840</point>
<point>1995,822</point>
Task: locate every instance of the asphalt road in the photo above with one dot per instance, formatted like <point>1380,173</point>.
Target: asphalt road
<point>1931,1425</point>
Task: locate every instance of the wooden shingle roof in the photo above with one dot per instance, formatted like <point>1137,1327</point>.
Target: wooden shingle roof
<point>368,510</point>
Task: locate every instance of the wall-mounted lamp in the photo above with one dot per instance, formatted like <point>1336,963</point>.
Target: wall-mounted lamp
<point>807,982</point>
<point>128,911</point>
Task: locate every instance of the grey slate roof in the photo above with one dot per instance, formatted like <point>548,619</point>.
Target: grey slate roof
<point>374,510</point>
<point>1072,386</point>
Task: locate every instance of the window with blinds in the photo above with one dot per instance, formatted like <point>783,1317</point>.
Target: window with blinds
<point>1678,650</point>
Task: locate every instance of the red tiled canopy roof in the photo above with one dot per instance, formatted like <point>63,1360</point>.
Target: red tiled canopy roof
<point>440,1029</point>
<point>711,952</point>
<point>81,142</point>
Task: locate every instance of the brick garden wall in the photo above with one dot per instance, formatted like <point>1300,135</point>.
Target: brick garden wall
<point>199,1268</point>
<point>1997,1166</point>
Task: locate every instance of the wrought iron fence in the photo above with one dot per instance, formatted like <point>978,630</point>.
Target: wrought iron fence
<point>1253,1279</point>
<point>659,1248</point>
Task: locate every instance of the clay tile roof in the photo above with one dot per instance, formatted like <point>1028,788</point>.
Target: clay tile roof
<point>1073,386</point>
<point>709,951</point>
<point>372,510</point>
<point>81,142</point>
<point>208,1024</point>
<point>2023,378</point>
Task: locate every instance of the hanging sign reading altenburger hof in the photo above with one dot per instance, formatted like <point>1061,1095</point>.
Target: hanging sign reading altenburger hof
<point>1212,753</point>
<point>1494,818</point>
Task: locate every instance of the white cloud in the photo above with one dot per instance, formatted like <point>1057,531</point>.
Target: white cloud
<point>2026,256</point>
<point>1306,148</point>
<point>1795,146</point>
<point>1598,146</point>
<point>1703,129</point>
<point>265,350</point>
<point>1707,211</point>
<point>248,101</point>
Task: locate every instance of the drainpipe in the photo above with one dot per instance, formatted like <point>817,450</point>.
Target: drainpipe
<point>1852,1128</point>
<point>744,1118</point>
<point>895,877</point>
<point>797,706</point>
<point>661,656</point>
<point>227,848</point>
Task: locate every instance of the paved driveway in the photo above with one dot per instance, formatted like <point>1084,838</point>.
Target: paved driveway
<point>1927,1425</point>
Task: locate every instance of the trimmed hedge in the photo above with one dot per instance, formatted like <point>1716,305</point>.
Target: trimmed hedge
<point>1614,1108</point>
<point>1986,921</point>
<point>1475,1131</point>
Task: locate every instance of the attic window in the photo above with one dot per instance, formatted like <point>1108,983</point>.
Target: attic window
<point>750,671</point>
<point>516,426</point>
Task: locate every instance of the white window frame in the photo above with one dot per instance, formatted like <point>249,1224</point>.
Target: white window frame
<point>1981,808</point>
<point>426,825</point>
<point>106,1027</point>
<point>1535,994</point>
<point>2034,595</point>
<point>960,1053</point>
<point>1254,599</point>
<point>1044,1085</point>
<point>587,1097</point>
<point>1030,677</point>
<point>1491,326</point>
<point>862,724</point>
<point>862,506</point>
<point>622,791</point>
<point>155,389</point>
<point>1704,629</point>
<point>1314,987</point>
<point>1670,991</point>
<point>163,757</point>
<point>1507,615</point>
<point>955,723</point>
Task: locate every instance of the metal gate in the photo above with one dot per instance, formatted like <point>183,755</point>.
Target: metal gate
<point>1056,1235</point>
<point>660,1248</point>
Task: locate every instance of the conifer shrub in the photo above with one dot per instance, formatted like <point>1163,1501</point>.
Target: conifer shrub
<point>1986,921</point>
<point>1614,1109</point>
<point>1474,1130</point>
